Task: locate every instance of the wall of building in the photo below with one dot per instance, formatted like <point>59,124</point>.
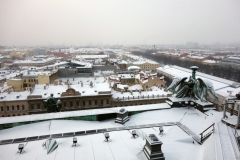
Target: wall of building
<point>71,72</point>
<point>147,66</point>
<point>104,68</point>
<point>29,82</point>
<point>43,79</point>
<point>17,84</point>
<point>13,108</point>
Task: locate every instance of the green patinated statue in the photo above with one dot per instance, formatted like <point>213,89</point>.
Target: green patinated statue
<point>193,88</point>
<point>52,104</point>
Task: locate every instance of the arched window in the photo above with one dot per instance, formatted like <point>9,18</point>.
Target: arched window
<point>1,108</point>
<point>18,107</point>
<point>38,106</point>
<point>7,108</point>
<point>12,107</point>
<point>23,107</point>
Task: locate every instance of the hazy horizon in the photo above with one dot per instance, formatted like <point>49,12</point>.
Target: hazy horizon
<point>118,22</point>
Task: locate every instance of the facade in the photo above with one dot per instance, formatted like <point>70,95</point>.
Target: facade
<point>28,80</point>
<point>47,78</point>
<point>16,83</point>
<point>147,65</point>
<point>71,100</point>
<point>14,108</point>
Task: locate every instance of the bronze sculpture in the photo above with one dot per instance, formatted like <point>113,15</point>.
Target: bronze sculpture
<point>52,104</point>
<point>193,88</point>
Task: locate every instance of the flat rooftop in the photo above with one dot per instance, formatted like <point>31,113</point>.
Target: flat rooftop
<point>177,145</point>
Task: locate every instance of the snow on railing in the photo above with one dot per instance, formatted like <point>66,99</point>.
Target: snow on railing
<point>123,98</point>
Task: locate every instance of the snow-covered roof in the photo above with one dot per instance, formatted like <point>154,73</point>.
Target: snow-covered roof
<point>177,145</point>
<point>143,62</point>
<point>5,96</point>
<point>209,61</point>
<point>133,68</point>
<point>99,85</point>
<point>35,60</point>
<point>156,93</point>
<point>196,57</point>
<point>93,56</point>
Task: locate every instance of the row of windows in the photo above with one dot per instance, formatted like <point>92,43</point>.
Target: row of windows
<point>13,108</point>
<point>38,106</point>
<point>14,115</point>
<point>90,103</point>
<point>71,104</point>
<point>30,80</point>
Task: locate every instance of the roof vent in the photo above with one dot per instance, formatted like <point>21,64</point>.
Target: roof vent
<point>235,85</point>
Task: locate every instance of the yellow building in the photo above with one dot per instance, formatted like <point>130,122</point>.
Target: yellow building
<point>47,78</point>
<point>147,65</point>
<point>29,81</point>
<point>16,83</point>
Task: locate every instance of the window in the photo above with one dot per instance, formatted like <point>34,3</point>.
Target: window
<point>18,107</point>
<point>12,108</point>
<point>7,108</point>
<point>38,106</point>
<point>95,102</point>
<point>1,108</point>
<point>77,103</point>
<point>65,105</point>
<point>107,101</point>
<point>71,104</point>
<point>32,106</point>
<point>90,103</point>
<point>23,107</point>
<point>101,102</point>
<point>84,103</point>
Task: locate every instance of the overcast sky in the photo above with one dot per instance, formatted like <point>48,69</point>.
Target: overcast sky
<point>122,22</point>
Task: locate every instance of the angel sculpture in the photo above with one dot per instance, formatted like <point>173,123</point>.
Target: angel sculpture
<point>193,88</point>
